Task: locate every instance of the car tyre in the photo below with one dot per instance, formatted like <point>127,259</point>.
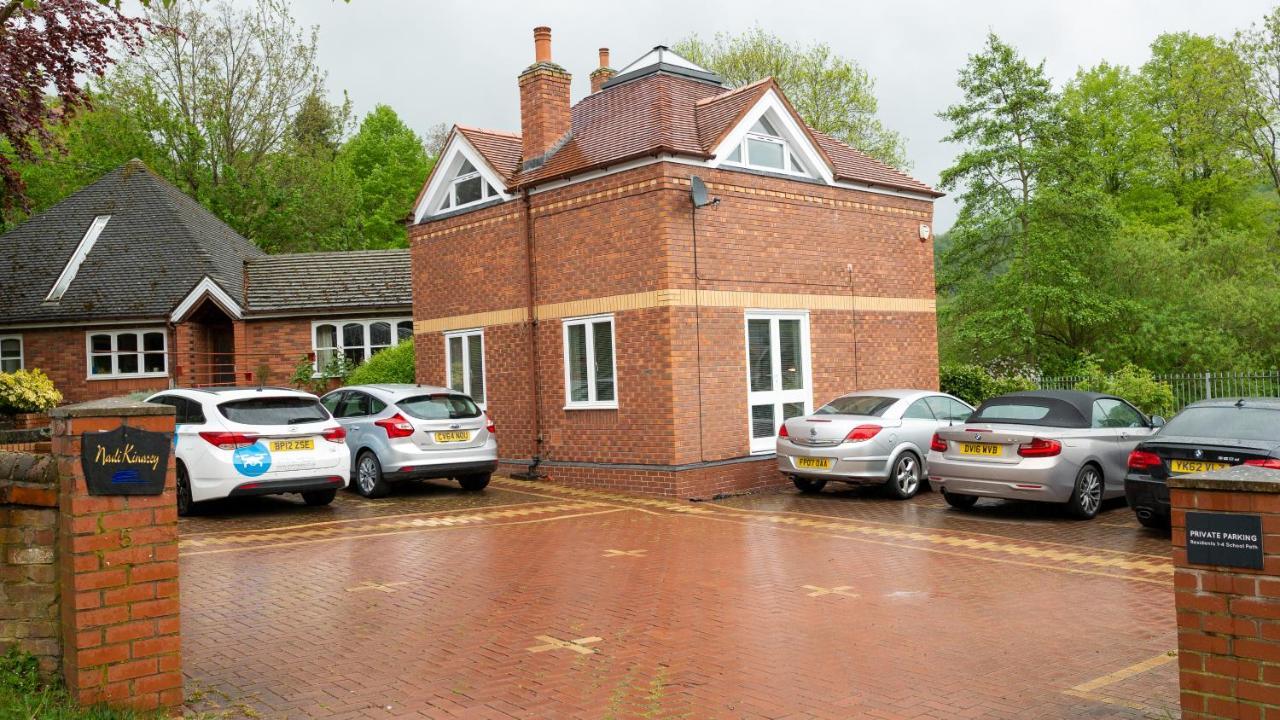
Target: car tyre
<point>185,504</point>
<point>904,479</point>
<point>474,483</point>
<point>319,497</point>
<point>806,485</point>
<point>1086,499</point>
<point>369,481</point>
<point>959,501</point>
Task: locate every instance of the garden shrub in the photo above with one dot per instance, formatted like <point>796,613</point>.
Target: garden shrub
<point>974,383</point>
<point>24,391</point>
<point>392,365</point>
<point>1137,385</point>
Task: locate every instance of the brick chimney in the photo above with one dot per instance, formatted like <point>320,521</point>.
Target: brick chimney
<point>601,75</point>
<point>544,101</point>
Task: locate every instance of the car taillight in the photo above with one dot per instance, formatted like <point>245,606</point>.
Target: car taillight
<point>862,433</point>
<point>335,434</point>
<point>938,443</point>
<point>491,428</point>
<point>396,426</point>
<point>1269,463</point>
<point>1040,447</point>
<point>229,440</point>
<point>1143,460</point>
<point>782,432</point>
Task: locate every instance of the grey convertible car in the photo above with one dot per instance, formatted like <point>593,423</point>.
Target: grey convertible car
<point>1045,445</point>
<point>867,437</point>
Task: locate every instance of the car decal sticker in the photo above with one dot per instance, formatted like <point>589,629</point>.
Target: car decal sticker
<point>253,460</point>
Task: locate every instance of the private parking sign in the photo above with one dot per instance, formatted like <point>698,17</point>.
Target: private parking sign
<point>1224,539</point>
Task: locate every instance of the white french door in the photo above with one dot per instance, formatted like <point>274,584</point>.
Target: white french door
<point>779,386</point>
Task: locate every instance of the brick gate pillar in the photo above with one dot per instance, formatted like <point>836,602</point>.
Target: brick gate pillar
<point>118,570</point>
<point>1226,553</point>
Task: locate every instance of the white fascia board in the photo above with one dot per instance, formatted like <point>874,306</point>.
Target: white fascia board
<point>795,135</point>
<point>207,286</point>
<point>458,147</point>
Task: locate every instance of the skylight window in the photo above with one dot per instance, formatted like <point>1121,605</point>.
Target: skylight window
<point>77,258</point>
<point>467,188</point>
<point>764,148</point>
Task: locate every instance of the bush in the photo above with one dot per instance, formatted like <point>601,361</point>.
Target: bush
<point>1135,384</point>
<point>19,671</point>
<point>306,378</point>
<point>27,391</point>
<point>393,365</point>
<point>974,383</point>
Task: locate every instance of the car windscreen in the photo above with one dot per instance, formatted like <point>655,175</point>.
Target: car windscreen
<point>1041,411</point>
<point>279,410</point>
<point>871,405</point>
<point>440,406</point>
<point>1236,423</point>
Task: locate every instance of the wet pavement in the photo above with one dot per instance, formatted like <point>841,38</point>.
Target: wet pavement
<point>531,600</point>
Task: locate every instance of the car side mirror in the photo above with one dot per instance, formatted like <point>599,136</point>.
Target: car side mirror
<point>1157,422</point>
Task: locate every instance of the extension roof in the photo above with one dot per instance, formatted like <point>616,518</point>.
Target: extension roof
<point>353,279</point>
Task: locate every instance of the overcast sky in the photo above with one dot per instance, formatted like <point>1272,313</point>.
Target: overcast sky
<point>453,61</point>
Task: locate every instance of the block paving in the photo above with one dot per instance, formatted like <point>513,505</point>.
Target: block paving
<point>533,600</point>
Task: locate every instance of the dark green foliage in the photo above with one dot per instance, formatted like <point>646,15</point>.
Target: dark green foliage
<point>393,365</point>
<point>975,384</point>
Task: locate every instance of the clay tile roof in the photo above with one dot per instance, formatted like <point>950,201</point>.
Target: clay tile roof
<point>501,149</point>
<point>854,166</point>
<point>328,280</point>
<point>718,114</point>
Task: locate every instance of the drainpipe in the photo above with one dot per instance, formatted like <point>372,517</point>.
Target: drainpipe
<point>536,365</point>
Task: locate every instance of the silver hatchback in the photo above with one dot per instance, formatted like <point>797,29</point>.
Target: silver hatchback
<point>866,437</point>
<point>413,432</point>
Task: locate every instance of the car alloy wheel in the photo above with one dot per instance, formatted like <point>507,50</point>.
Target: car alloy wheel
<point>1087,499</point>
<point>367,474</point>
<point>906,476</point>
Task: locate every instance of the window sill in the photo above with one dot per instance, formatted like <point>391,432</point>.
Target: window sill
<point>591,406</point>
<point>130,376</point>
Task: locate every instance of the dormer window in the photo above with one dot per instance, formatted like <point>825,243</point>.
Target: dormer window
<point>467,188</point>
<point>764,148</point>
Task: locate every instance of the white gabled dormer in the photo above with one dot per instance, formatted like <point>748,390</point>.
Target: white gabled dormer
<point>769,138</point>
<point>462,179</point>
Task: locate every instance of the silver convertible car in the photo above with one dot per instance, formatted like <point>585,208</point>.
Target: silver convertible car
<point>1046,445</point>
<point>867,437</point>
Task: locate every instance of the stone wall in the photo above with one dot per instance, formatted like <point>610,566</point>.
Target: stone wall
<point>28,570</point>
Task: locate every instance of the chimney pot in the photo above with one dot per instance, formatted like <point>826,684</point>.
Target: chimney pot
<point>601,75</point>
<point>542,44</point>
<point>604,57</point>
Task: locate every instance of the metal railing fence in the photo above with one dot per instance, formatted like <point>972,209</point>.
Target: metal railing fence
<point>1191,387</point>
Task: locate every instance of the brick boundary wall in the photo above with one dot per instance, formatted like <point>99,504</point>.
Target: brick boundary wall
<point>28,573</point>
<point>1228,617</point>
<point>118,570</point>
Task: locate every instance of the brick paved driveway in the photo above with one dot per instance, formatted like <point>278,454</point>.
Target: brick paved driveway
<point>535,601</point>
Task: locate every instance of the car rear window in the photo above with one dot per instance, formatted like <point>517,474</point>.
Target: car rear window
<point>280,410</point>
<point>1047,412</point>
<point>871,405</point>
<point>440,407</point>
<point>1237,423</point>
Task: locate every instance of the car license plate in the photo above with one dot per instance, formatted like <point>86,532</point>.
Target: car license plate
<point>1196,466</point>
<point>812,463</point>
<point>984,449</point>
<point>290,445</point>
<point>453,436</point>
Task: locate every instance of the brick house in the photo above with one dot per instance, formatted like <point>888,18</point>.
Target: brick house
<point>130,285</point>
<point>623,337</point>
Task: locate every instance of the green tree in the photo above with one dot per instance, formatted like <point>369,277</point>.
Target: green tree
<point>389,164</point>
<point>833,94</point>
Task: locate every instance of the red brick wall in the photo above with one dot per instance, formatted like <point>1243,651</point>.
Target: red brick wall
<point>28,571</point>
<point>61,353</point>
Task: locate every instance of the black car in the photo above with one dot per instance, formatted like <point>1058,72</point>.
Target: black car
<point>1207,435</point>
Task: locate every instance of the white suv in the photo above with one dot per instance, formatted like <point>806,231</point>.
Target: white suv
<point>233,442</point>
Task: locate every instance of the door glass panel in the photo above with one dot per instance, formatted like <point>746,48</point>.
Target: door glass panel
<point>792,409</point>
<point>331,402</point>
<point>790,352</point>
<point>578,363</point>
<point>762,421</point>
<point>475,365</point>
<point>602,343</point>
<point>456,371</point>
<point>759,355</point>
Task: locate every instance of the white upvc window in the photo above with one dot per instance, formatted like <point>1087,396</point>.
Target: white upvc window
<point>356,340</point>
<point>10,353</point>
<point>779,381</point>
<point>467,188</point>
<point>764,148</point>
<point>589,369</point>
<point>132,353</point>
<point>464,363</point>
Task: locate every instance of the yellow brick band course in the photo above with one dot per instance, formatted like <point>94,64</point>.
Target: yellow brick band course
<point>680,298</point>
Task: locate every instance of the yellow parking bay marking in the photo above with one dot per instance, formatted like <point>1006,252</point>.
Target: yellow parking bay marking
<point>380,587</point>
<point>842,590</point>
<point>370,518</point>
<point>624,553</point>
<point>549,643</point>
<point>1091,690</point>
<point>672,505</point>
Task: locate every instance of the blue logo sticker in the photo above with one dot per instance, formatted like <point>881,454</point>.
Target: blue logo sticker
<point>253,460</point>
<point>125,477</point>
<point>175,436</point>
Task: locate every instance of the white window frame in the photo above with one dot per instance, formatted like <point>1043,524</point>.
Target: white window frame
<point>468,337</point>
<point>340,347</point>
<point>115,354</point>
<point>487,192</point>
<point>788,153</point>
<point>777,397</point>
<point>21,351</point>
<point>591,403</point>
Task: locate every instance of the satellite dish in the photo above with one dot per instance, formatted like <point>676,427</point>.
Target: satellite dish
<point>698,190</point>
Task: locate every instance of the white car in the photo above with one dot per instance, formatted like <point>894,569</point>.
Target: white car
<point>235,442</point>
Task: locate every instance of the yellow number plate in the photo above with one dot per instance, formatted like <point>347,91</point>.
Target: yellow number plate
<point>288,445</point>
<point>453,436</point>
<point>1195,466</point>
<point>812,463</point>
<point>986,449</point>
